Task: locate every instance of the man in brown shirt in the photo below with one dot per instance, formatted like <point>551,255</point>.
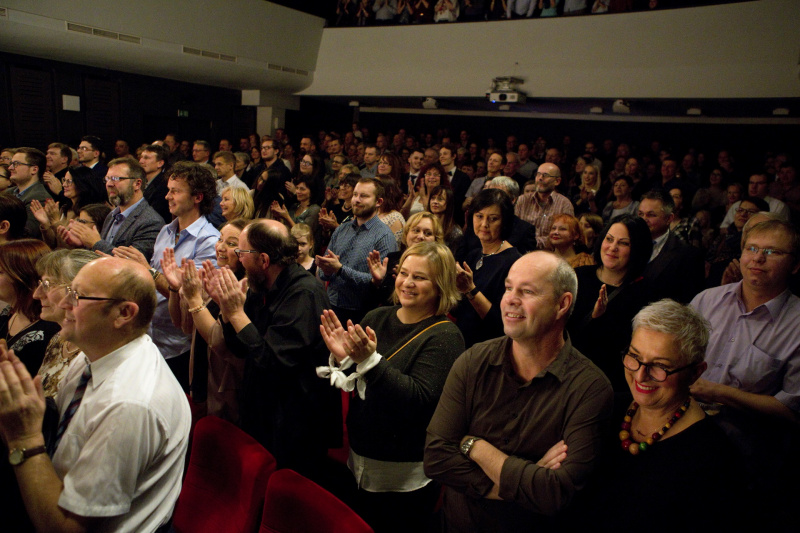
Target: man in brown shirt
<point>520,421</point>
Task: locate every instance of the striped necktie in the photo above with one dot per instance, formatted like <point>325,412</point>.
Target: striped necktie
<point>72,407</point>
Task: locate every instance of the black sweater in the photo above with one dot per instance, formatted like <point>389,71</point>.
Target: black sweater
<point>402,393</point>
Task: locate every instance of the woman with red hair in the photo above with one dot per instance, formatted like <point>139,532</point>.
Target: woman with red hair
<point>20,325</point>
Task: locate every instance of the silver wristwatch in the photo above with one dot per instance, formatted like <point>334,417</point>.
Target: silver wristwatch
<point>467,445</point>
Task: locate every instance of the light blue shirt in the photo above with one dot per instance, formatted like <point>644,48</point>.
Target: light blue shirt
<point>195,242</point>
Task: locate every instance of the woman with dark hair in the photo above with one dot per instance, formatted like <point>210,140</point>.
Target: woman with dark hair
<point>81,188</point>
<point>610,293</point>
<point>442,204</point>
<point>683,225</point>
<point>591,227</point>
<point>623,203</point>
<point>712,195</point>
<point>94,214</point>
<point>390,165</point>
<point>433,175</point>
<point>304,210</point>
<point>312,169</point>
<point>482,278</point>
<point>20,325</point>
<point>392,200</point>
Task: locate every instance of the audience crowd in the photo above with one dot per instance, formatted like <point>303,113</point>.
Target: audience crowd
<point>483,312</point>
<point>395,12</point>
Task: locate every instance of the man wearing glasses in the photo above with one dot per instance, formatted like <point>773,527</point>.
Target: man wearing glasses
<point>132,222</point>
<point>117,457</point>
<point>89,152</point>
<point>540,208</point>
<point>201,152</point>
<point>274,326</point>
<point>758,186</point>
<point>753,356</point>
<point>25,171</point>
<point>754,352</point>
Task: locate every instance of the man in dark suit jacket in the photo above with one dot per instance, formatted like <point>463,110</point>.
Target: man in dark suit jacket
<point>132,222</point>
<point>676,270</point>
<point>89,153</point>
<point>459,181</point>
<point>154,161</point>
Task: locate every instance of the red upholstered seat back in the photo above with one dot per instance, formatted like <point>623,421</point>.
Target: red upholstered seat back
<point>224,487</point>
<point>295,504</point>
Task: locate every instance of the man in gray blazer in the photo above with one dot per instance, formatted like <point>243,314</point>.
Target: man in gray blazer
<point>132,222</point>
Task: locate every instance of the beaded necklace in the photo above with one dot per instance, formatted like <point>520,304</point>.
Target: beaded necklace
<point>635,447</point>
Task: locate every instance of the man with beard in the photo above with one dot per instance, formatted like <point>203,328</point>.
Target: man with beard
<point>274,325</point>
<point>344,264</point>
<point>544,204</point>
<point>132,222</point>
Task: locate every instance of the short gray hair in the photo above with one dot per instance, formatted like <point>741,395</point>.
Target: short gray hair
<point>64,265</point>
<point>509,184</point>
<point>689,329</point>
<point>564,280</point>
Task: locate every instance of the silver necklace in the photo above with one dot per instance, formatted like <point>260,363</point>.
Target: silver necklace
<point>479,264</point>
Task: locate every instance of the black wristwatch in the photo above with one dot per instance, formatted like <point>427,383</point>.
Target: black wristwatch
<point>467,445</point>
<point>17,456</point>
<point>473,293</point>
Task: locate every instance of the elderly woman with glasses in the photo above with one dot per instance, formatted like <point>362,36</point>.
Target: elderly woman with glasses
<point>666,453</point>
<point>57,270</point>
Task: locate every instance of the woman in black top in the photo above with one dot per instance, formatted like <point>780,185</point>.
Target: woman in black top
<point>610,293</point>
<point>401,355</point>
<point>482,278</point>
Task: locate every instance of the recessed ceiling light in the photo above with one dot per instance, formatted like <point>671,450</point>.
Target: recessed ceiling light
<point>694,111</point>
<point>597,110</point>
<point>780,111</point>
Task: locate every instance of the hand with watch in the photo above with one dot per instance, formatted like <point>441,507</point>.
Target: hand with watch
<point>22,407</point>
<point>466,445</point>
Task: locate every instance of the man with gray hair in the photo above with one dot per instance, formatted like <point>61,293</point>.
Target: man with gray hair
<point>511,406</point>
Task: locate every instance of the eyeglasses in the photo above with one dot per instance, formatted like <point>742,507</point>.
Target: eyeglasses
<point>768,252</point>
<point>239,252</point>
<point>73,298</point>
<point>67,182</point>
<point>545,175</point>
<point>82,221</point>
<point>305,163</point>
<point>46,285</point>
<point>655,371</point>
<point>116,179</point>
<point>742,210</point>
<point>15,164</point>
